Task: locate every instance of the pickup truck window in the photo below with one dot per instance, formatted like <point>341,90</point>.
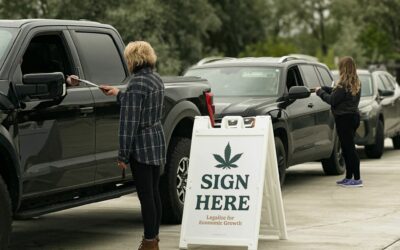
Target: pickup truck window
<point>100,58</point>
<point>7,35</point>
<point>240,81</point>
<point>46,54</point>
<point>310,76</point>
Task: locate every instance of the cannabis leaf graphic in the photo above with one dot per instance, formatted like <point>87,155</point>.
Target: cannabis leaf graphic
<point>227,162</point>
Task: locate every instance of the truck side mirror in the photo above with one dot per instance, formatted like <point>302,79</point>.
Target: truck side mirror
<point>299,92</point>
<point>44,86</point>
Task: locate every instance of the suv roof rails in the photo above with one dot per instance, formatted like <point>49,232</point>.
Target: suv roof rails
<point>212,59</point>
<point>287,58</point>
<point>305,57</point>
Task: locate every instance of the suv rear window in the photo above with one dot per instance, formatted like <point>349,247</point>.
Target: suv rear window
<point>240,81</point>
<point>100,57</point>
<point>310,76</point>
<point>326,77</point>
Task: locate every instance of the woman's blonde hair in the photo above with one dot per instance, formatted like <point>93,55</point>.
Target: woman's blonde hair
<point>139,53</point>
<point>348,77</point>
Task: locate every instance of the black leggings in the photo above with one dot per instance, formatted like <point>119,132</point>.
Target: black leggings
<point>146,180</point>
<point>346,126</point>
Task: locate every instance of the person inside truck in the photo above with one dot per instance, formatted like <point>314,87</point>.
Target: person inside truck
<point>46,54</point>
<point>141,135</point>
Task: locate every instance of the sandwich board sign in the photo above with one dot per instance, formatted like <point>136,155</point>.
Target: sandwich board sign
<point>233,195</point>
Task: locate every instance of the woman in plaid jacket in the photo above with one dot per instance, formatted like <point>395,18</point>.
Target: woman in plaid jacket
<point>141,135</point>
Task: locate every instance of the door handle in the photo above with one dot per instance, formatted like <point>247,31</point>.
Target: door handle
<point>310,105</point>
<point>86,110</point>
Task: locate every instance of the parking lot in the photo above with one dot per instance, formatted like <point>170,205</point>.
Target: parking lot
<point>319,214</point>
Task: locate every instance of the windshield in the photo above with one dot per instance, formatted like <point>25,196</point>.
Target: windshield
<point>6,37</point>
<point>367,88</point>
<point>240,81</point>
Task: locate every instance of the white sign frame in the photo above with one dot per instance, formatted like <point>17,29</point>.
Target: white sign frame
<point>269,219</point>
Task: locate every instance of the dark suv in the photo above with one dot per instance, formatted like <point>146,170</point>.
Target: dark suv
<point>379,111</point>
<point>303,124</point>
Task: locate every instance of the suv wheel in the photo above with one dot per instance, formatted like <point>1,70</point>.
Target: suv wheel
<point>396,142</point>
<point>335,164</point>
<point>281,159</point>
<point>174,180</point>
<point>376,150</point>
<point>5,215</point>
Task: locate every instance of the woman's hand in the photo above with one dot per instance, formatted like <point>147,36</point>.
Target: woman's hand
<point>108,90</point>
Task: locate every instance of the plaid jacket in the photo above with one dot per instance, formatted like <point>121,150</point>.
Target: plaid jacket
<point>141,134</point>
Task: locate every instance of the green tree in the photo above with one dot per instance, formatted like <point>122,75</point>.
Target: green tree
<point>380,35</point>
<point>242,23</point>
<point>270,48</point>
<point>348,44</point>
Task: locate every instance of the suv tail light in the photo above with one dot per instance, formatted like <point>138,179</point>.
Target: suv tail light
<point>210,106</point>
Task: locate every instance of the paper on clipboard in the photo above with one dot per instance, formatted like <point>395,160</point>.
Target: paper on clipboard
<point>89,83</point>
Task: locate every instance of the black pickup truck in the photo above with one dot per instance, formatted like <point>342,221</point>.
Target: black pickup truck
<point>58,143</point>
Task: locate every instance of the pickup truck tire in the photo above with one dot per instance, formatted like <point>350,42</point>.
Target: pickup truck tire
<point>375,150</point>
<point>396,142</point>
<point>334,165</point>
<point>5,215</point>
<point>173,182</point>
<point>281,159</point>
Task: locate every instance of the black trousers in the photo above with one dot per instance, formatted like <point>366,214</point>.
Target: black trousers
<point>146,180</point>
<point>346,126</point>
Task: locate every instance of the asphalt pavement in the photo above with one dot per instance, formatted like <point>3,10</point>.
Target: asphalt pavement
<point>319,215</point>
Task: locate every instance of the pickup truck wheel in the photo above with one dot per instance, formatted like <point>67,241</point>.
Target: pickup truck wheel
<point>396,142</point>
<point>5,215</point>
<point>375,150</point>
<point>281,159</point>
<point>334,165</point>
<point>173,182</point>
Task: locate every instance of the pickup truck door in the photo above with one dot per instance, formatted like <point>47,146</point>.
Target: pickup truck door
<point>56,139</point>
<point>100,53</point>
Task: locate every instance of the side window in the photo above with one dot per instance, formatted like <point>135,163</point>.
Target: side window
<point>293,78</point>
<point>100,58</point>
<point>310,76</point>
<point>391,81</point>
<point>46,54</point>
<point>381,85</point>
<point>386,83</point>
<point>325,76</point>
